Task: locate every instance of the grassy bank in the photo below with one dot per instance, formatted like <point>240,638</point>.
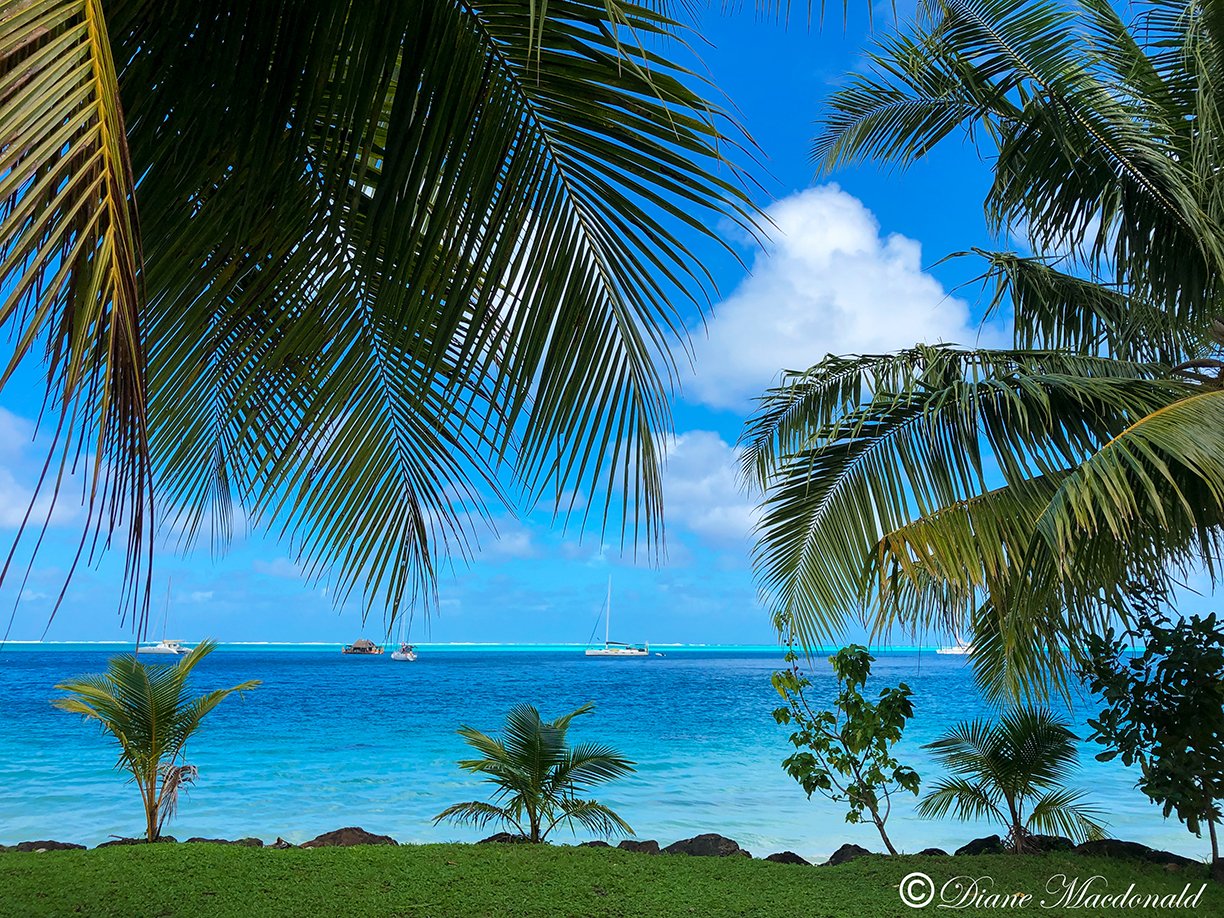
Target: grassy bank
<point>469,880</point>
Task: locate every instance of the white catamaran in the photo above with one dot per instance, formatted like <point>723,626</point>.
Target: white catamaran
<point>164,647</point>
<point>615,648</point>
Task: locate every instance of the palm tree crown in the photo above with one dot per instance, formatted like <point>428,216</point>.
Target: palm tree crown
<point>538,777</point>
<point>147,710</point>
<point>1014,772</point>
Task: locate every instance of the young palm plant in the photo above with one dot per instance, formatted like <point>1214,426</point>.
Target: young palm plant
<point>538,777</point>
<point>149,713</point>
<point>1014,772</point>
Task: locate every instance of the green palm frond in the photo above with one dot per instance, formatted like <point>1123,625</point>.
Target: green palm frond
<point>441,249</point>
<point>962,799</point>
<point>1062,812</point>
<point>887,503</point>
<point>594,817</point>
<point>430,268</point>
<point>479,814</point>
<point>71,266</point>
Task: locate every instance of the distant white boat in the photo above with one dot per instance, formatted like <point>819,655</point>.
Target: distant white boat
<point>164,647</point>
<point>959,649</point>
<point>405,654</point>
<point>615,648</point>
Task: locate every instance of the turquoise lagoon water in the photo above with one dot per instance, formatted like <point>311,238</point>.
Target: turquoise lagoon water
<point>331,740</point>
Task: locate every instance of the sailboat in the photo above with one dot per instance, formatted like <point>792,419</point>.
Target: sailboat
<point>164,647</point>
<point>406,652</point>
<point>615,648</point>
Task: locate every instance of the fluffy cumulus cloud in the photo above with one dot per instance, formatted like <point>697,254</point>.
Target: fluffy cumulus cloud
<point>829,283</point>
<point>702,490</point>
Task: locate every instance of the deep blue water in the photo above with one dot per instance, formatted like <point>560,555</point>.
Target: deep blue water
<point>329,741</point>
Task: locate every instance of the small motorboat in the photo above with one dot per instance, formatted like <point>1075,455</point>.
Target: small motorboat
<point>405,654</point>
<point>362,648</point>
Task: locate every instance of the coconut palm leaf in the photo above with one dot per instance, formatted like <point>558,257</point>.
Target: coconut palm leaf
<point>429,265</point>
<point>888,503</point>
<point>71,267</point>
<point>1061,812</point>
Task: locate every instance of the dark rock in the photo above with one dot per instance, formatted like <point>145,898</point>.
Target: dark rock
<point>641,847</point>
<point>504,838</point>
<point>1048,844</point>
<point>1217,870</point>
<point>787,857</point>
<point>1169,859</point>
<point>933,852</point>
<point>347,837</point>
<point>991,844</point>
<point>280,844</point>
<point>708,845</point>
<point>120,842</point>
<point>846,853</point>
<point>1113,847</point>
<point>47,846</point>
<point>244,842</point>
<point>595,844</point>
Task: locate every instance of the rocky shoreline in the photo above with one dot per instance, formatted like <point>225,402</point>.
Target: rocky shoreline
<point>705,845</point>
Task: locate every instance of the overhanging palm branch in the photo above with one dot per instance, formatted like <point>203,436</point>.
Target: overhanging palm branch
<point>71,274</point>
<point>406,262</point>
<point>1026,501</point>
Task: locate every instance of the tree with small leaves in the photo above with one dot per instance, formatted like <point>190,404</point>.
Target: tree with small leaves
<point>845,753</point>
<point>1165,712</point>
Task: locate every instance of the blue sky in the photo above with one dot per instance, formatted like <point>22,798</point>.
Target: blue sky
<point>850,269</point>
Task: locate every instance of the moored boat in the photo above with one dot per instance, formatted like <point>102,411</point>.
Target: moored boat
<point>405,654</point>
<point>615,648</point>
<point>163,647</point>
<point>362,648</point>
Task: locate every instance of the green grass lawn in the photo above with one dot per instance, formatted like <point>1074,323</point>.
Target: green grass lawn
<point>505,880</point>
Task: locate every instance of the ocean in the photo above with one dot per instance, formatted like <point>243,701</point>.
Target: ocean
<point>330,740</point>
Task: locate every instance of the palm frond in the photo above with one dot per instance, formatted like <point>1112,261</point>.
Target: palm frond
<point>71,268</point>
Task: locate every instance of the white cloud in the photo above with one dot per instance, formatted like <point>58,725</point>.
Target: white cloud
<point>199,595</point>
<point>702,490</point>
<point>277,567</point>
<point>28,595</point>
<point>829,284</point>
<point>511,541</point>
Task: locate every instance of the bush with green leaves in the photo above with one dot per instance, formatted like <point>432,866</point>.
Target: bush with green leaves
<point>1164,710</point>
<point>845,753</point>
<point>1013,772</point>
<point>148,711</point>
<point>538,777</point>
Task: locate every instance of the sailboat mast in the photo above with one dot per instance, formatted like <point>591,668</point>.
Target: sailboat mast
<point>608,616</point>
<point>166,611</point>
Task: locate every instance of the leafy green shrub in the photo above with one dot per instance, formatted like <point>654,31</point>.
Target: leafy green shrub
<point>846,753</point>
